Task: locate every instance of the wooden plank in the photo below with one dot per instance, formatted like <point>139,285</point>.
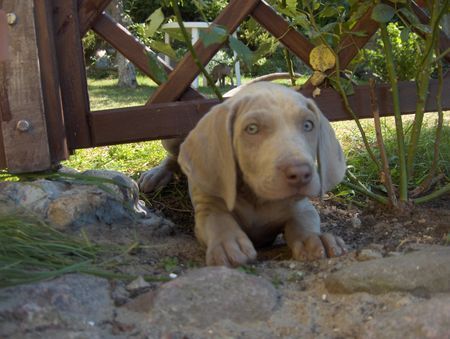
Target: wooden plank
<point>72,73</point>
<point>89,11</point>
<point>280,29</point>
<point>26,149</point>
<point>351,44</point>
<point>50,81</point>
<point>4,56</point>
<point>157,121</point>
<point>186,70</point>
<point>169,120</point>
<point>123,41</point>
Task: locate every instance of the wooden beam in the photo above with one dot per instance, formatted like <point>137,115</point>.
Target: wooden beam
<point>186,70</point>
<point>282,31</point>
<point>24,130</point>
<point>157,121</point>
<point>4,104</point>
<point>72,73</point>
<point>50,81</point>
<point>175,119</point>
<point>123,41</point>
<point>351,44</point>
<point>89,11</point>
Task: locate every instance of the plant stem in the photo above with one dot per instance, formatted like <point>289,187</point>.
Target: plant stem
<point>191,48</point>
<point>289,65</point>
<point>341,91</point>
<point>433,195</point>
<point>403,185</point>
<point>387,179</point>
<point>359,186</point>
<point>366,192</point>
<point>428,181</point>
<point>423,81</point>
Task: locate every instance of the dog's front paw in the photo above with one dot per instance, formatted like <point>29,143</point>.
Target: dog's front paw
<point>155,178</point>
<point>231,252</point>
<point>316,246</point>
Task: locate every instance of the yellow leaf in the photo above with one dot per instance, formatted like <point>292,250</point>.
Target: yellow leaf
<point>317,78</point>
<point>322,58</point>
<point>317,91</point>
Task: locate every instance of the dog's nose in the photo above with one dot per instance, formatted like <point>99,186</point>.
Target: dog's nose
<point>297,174</point>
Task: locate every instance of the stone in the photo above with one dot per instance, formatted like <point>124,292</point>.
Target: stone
<point>355,221</point>
<point>73,302</point>
<point>79,199</point>
<point>425,270</point>
<point>368,254</point>
<point>213,294</point>
<point>428,319</point>
<point>136,284</point>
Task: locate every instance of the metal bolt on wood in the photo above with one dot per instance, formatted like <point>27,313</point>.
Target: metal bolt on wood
<point>23,125</point>
<point>11,18</point>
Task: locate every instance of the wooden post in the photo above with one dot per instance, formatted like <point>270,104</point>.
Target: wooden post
<point>23,122</point>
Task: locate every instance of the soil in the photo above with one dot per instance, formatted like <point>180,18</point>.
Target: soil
<point>306,308</point>
<point>425,224</point>
<point>175,252</point>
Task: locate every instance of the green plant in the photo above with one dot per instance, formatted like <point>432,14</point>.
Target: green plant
<point>31,250</point>
<point>406,49</point>
<point>326,23</point>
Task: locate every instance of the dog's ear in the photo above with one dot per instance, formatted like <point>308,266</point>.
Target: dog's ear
<point>207,157</point>
<point>330,158</point>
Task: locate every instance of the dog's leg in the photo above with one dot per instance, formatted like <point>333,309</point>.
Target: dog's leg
<point>159,176</point>
<point>303,235</point>
<point>225,241</point>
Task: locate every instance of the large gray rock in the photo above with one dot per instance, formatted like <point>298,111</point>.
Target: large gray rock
<point>423,271</point>
<point>71,303</point>
<point>429,319</point>
<point>79,199</point>
<point>209,295</point>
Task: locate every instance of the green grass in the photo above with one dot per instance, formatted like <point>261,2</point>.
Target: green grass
<point>131,159</point>
<point>30,250</point>
<point>134,158</point>
<point>366,171</point>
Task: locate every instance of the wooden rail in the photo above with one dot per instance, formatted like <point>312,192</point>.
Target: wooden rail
<point>44,102</point>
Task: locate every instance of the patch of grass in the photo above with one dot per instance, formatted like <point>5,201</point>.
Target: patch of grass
<point>31,250</point>
<point>170,264</point>
<point>130,159</point>
<point>135,158</point>
<point>366,171</point>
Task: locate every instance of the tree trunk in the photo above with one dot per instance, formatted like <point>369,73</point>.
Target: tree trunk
<point>126,70</point>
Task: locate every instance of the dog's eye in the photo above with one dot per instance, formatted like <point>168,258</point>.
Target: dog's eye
<point>308,125</point>
<point>252,129</point>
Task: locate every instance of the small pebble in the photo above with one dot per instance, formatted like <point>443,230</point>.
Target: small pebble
<point>356,222</point>
<point>173,275</point>
<point>137,283</point>
<point>421,221</point>
<point>292,266</point>
<point>368,254</point>
<point>324,297</point>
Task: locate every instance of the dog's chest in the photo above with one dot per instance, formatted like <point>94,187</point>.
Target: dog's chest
<point>262,215</point>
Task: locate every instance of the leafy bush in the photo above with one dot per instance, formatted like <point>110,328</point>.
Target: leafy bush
<point>407,51</point>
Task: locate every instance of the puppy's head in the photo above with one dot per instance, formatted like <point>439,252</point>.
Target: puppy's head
<point>274,135</point>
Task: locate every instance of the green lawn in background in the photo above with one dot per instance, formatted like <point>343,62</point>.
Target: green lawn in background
<point>135,158</point>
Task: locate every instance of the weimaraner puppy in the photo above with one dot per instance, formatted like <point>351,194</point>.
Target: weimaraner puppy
<point>252,162</point>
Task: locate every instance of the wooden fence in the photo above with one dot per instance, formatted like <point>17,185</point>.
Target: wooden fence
<point>44,101</point>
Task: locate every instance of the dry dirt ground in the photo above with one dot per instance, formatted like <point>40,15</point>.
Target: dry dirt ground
<point>176,250</point>
<point>304,304</point>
